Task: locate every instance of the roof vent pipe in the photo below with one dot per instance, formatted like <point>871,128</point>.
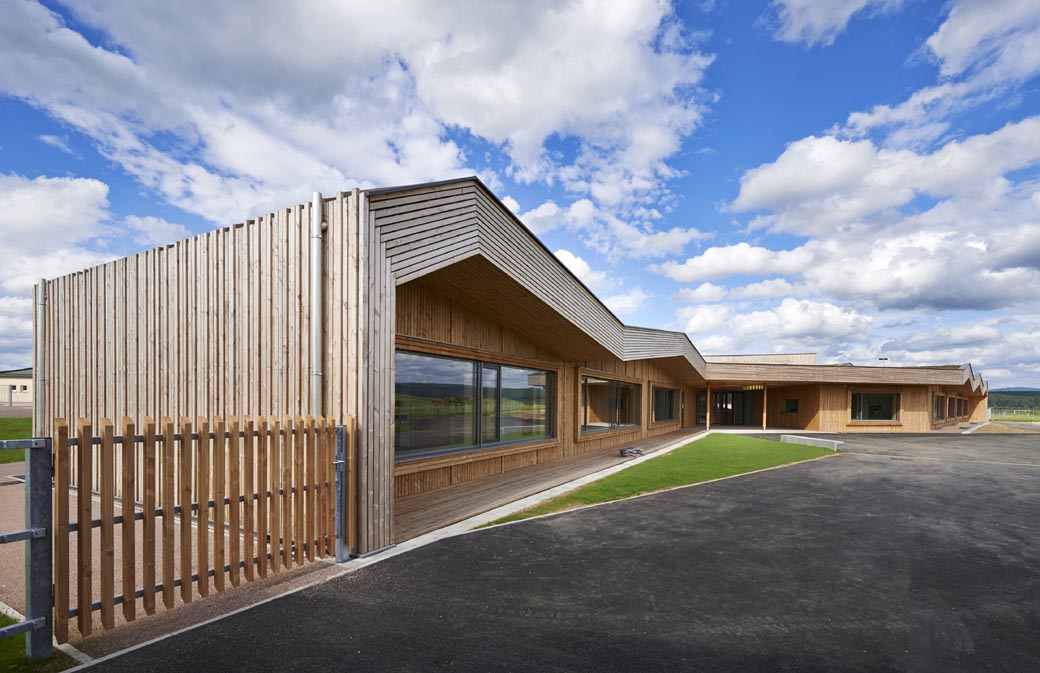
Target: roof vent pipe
<point>317,308</point>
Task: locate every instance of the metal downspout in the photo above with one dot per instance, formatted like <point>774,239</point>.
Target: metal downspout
<point>317,307</point>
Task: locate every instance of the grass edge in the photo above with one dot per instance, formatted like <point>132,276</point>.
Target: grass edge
<point>499,522</point>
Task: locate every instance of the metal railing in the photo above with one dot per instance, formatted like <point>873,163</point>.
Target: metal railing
<point>38,534</point>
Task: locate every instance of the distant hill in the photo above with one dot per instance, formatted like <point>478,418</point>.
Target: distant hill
<point>1015,398</point>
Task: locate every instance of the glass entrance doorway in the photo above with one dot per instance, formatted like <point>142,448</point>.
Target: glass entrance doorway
<point>728,407</point>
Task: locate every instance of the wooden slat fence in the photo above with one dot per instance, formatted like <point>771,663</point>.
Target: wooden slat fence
<point>259,493</point>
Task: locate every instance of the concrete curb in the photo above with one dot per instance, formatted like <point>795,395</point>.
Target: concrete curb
<point>81,657</point>
<point>971,430</point>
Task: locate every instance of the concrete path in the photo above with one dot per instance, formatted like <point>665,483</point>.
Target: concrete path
<point>900,556</point>
<point>20,411</point>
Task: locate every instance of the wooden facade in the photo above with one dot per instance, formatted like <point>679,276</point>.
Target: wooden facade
<point>218,325</point>
<point>431,322</point>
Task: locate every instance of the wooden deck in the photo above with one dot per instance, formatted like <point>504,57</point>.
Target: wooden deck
<point>418,514</point>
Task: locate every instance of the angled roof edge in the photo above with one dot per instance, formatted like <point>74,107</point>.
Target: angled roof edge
<point>629,332</point>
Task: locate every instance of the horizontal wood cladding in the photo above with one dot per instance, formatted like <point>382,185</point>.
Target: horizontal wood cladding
<point>428,229</point>
<point>780,373</point>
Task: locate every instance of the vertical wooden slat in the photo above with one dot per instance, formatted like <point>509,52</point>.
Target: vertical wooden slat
<point>61,531</point>
<point>249,488</point>
<point>319,488</point>
<point>84,537</point>
<point>185,477</point>
<point>202,469</point>
<point>108,515</point>
<point>129,527</point>
<point>287,494</point>
<point>234,490</point>
<point>299,482</point>
<point>169,520</point>
<point>274,484</point>
<point>148,539</point>
<point>309,500</point>
<point>219,487</point>
<point>263,484</point>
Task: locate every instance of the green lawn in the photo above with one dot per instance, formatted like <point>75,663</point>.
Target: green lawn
<point>14,428</point>
<point>1019,418</point>
<point>713,457</point>
<point>12,655</point>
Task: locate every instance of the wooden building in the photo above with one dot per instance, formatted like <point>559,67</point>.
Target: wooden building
<point>456,340</point>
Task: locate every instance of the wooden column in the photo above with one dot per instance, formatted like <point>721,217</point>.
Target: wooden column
<point>765,404</point>
<point>707,409</point>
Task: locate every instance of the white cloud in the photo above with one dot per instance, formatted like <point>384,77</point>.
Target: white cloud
<point>819,184</point>
<point>154,231</point>
<point>628,302</point>
<point>543,218</point>
<point>609,234</point>
<point>819,22</point>
<point>511,203</point>
<point>997,33</point>
<point>271,124</point>
<point>984,49</point>
<point>701,318</point>
<point>57,142</point>
<point>703,293</point>
<point>735,260</point>
<point>597,281</point>
<point>766,289</point>
<point>15,332</point>
<point>807,320</point>
<point>42,213</point>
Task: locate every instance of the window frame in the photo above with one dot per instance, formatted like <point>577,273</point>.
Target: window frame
<point>938,408</point>
<point>582,435</point>
<point>677,406</point>
<point>479,361</point>
<point>895,420</point>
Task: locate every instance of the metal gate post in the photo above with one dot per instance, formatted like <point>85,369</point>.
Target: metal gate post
<point>39,562</point>
<point>342,506</point>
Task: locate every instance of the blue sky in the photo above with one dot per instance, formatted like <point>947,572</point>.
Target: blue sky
<point>855,178</point>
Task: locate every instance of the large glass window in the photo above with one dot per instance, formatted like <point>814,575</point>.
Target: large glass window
<point>875,406</point>
<point>608,404</point>
<point>525,404</point>
<point>437,401</point>
<point>938,407</point>
<point>666,405</point>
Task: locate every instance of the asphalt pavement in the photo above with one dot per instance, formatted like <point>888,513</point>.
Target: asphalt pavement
<point>920,558</point>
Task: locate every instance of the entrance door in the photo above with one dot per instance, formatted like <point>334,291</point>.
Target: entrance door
<point>731,408</point>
